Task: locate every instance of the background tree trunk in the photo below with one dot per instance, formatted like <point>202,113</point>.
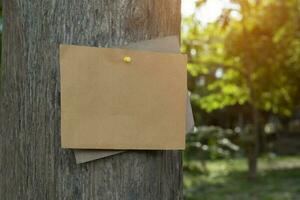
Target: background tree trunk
<point>32,164</point>
<point>254,145</point>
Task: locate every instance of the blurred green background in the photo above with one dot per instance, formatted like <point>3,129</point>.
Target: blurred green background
<point>244,78</point>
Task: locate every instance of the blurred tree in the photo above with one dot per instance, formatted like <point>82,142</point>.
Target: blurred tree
<point>249,56</point>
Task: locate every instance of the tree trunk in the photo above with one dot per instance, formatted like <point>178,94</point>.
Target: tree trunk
<point>32,164</point>
<point>254,147</point>
<point>252,164</point>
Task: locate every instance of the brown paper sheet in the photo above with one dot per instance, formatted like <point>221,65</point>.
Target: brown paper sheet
<point>110,104</point>
<point>166,44</point>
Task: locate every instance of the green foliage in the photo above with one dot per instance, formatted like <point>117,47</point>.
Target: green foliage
<point>209,142</point>
<point>251,60</point>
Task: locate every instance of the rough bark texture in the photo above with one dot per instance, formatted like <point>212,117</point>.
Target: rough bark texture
<point>32,164</point>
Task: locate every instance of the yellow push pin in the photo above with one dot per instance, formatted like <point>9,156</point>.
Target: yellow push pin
<point>127,59</point>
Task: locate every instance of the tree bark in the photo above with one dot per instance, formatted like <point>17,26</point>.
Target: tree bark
<point>32,164</point>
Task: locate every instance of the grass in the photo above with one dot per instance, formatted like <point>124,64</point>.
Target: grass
<point>278,179</point>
